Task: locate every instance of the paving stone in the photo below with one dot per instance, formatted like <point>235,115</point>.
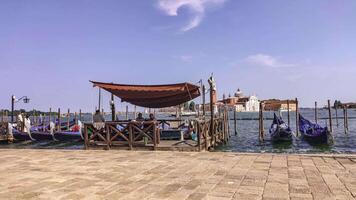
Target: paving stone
<point>76,174</point>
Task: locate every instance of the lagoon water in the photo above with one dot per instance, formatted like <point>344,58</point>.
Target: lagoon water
<point>247,139</point>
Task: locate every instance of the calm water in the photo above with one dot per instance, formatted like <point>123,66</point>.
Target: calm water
<point>247,139</point>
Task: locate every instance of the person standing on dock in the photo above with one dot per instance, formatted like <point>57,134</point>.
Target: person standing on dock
<point>98,117</point>
<point>151,117</point>
<point>139,118</point>
<point>98,120</point>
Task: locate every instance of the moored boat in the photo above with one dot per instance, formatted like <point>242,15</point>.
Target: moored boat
<point>313,132</point>
<point>74,133</point>
<point>279,130</point>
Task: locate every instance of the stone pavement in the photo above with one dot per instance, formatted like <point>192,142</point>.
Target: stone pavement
<point>76,174</point>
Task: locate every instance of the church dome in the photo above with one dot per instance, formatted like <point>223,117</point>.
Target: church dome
<point>238,93</point>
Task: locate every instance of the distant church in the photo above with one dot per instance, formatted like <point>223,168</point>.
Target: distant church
<point>241,103</point>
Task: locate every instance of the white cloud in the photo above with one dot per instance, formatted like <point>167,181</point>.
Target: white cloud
<point>186,58</point>
<point>267,61</point>
<point>198,8</point>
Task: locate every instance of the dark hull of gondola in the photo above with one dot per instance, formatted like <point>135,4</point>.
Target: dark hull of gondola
<point>313,132</point>
<point>279,131</point>
<point>68,136</point>
<point>281,135</point>
<point>45,136</point>
<point>20,136</point>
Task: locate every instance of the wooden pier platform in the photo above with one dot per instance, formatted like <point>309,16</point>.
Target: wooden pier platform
<point>77,174</point>
<point>149,135</point>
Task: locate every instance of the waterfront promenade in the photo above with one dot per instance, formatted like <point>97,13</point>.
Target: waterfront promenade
<point>77,174</point>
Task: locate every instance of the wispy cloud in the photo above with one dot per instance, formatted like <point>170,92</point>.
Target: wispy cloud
<point>267,61</point>
<point>198,8</point>
<point>186,58</point>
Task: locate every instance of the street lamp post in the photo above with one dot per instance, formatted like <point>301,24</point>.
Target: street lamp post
<point>13,101</point>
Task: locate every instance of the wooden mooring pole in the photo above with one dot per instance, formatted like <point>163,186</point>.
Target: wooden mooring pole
<point>135,112</point>
<point>336,116</point>
<point>227,124</point>
<point>212,131</point>
<point>59,120</point>
<point>68,117</point>
<point>261,127</point>
<point>330,117</point>
<point>76,117</point>
<point>235,121</point>
<point>127,112</point>
<point>50,115</point>
<point>112,108</point>
<point>35,118</point>
<point>296,117</point>
<point>288,112</point>
<point>43,121</point>
<point>345,120</point>
<point>203,101</point>
<point>316,112</point>
<point>99,106</point>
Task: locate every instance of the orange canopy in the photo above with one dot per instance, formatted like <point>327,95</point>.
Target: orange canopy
<point>152,96</point>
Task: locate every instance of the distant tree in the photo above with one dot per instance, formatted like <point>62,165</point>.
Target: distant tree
<point>192,106</point>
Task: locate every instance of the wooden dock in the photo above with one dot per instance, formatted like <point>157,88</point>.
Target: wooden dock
<point>147,135</point>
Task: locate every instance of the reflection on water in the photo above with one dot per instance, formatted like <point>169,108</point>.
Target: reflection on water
<point>247,139</point>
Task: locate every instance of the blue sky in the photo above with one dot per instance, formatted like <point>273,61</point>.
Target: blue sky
<point>274,48</point>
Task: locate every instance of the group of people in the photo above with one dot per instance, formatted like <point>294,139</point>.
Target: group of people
<point>140,118</point>
<point>24,122</point>
<point>99,118</point>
